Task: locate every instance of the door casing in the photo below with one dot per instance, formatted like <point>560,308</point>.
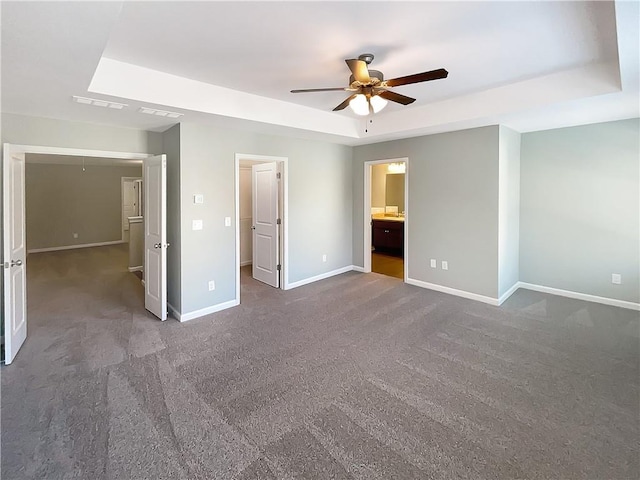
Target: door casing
<point>367,213</point>
<point>46,150</point>
<point>283,199</point>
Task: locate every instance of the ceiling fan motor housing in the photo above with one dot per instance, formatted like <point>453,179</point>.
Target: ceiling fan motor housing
<point>372,73</point>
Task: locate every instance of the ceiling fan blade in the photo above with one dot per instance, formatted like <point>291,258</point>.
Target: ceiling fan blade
<point>344,104</point>
<point>417,78</point>
<point>305,90</point>
<point>359,70</point>
<point>396,97</point>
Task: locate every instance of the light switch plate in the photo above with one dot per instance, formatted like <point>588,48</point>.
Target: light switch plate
<point>198,198</point>
<point>445,265</point>
<point>197,225</point>
<point>434,263</point>
<point>616,278</point>
<point>227,221</point>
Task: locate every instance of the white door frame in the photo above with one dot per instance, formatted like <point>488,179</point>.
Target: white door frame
<point>367,212</point>
<point>284,189</point>
<point>26,149</point>
<point>122,182</point>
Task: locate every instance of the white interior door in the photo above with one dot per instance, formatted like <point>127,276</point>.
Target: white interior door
<point>264,190</point>
<point>155,235</point>
<point>14,254</point>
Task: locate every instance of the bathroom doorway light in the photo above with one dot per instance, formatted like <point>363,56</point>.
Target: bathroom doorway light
<point>398,167</point>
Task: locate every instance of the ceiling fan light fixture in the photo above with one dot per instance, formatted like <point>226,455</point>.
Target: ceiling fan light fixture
<point>377,103</point>
<point>359,105</point>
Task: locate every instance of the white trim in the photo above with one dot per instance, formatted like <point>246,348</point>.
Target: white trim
<point>78,152</point>
<point>508,293</point>
<point>453,291</point>
<point>136,269</point>
<point>73,247</point>
<point>284,284</point>
<point>185,317</point>
<point>366,252</point>
<point>356,268</point>
<point>322,276</point>
<point>580,296</point>
<point>246,262</point>
<point>122,182</point>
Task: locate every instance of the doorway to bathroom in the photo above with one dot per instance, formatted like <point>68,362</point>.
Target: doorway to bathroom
<point>385,217</point>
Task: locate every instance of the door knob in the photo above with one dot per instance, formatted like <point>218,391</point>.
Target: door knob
<point>167,245</point>
<point>253,227</point>
<point>156,245</point>
<point>16,263</point>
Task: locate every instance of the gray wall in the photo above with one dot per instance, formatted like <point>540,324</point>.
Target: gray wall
<point>171,147</point>
<point>579,216</point>
<point>508,210</point>
<point>25,130</point>
<point>319,214</point>
<point>63,199</point>
<point>453,206</point>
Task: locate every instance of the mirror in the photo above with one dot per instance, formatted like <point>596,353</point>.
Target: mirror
<point>394,190</point>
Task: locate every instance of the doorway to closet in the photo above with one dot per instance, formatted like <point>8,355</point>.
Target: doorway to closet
<point>261,219</point>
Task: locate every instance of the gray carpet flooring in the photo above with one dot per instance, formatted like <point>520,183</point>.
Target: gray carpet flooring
<point>354,377</point>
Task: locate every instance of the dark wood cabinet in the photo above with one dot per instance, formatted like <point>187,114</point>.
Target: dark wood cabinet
<point>387,234</point>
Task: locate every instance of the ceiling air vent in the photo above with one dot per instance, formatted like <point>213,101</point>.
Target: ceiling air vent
<point>99,103</point>
<point>160,113</point>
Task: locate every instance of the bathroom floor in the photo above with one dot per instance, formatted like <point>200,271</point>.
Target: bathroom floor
<point>387,263</point>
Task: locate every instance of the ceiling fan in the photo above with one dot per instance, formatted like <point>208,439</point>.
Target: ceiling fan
<point>371,90</point>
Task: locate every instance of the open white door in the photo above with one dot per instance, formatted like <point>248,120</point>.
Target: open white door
<point>154,179</point>
<point>264,189</point>
<point>14,254</point>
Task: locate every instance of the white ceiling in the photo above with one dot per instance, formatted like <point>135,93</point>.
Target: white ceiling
<point>528,65</point>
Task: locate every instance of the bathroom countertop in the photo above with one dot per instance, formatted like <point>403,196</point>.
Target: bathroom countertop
<point>382,216</point>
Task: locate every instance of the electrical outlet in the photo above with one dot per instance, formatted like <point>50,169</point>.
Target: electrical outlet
<point>227,221</point>
<point>616,278</point>
<point>197,225</point>
<point>434,263</point>
<point>324,257</point>
<point>212,285</point>
<point>198,198</point>
<point>75,235</point>
<point>445,265</point>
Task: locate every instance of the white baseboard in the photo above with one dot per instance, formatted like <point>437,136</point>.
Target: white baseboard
<point>184,317</point>
<point>322,276</point>
<point>135,269</point>
<point>580,296</point>
<point>453,291</point>
<point>358,269</point>
<point>508,293</point>
<point>72,247</point>
<point>244,264</point>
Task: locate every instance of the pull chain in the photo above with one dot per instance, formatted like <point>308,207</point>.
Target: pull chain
<point>366,127</point>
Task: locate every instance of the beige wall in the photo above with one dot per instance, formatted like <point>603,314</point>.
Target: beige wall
<point>378,183</point>
<point>62,199</point>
